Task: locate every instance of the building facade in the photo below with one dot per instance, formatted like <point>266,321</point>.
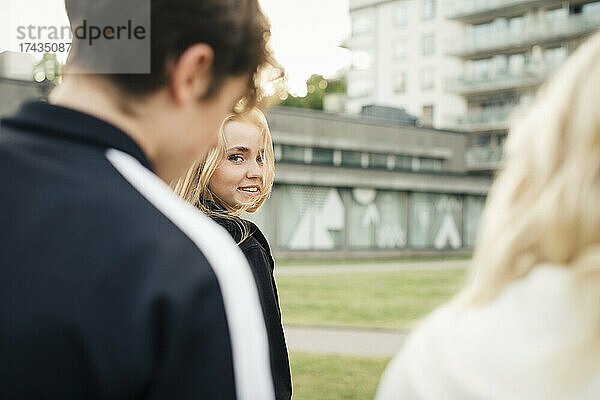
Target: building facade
<point>509,48</point>
<point>399,58</point>
<point>488,57</point>
<point>356,187</point>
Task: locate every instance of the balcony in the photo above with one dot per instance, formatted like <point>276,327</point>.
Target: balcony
<point>486,119</point>
<point>484,158</point>
<point>471,11</point>
<point>506,41</point>
<point>528,77</point>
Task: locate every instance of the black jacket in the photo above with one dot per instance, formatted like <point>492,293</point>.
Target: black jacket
<point>106,288</point>
<point>258,253</point>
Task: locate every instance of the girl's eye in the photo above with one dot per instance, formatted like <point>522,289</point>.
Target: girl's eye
<point>235,158</point>
<point>259,159</point>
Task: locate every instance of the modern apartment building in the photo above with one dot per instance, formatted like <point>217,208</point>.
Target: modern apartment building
<point>400,59</point>
<point>469,65</point>
<point>509,48</point>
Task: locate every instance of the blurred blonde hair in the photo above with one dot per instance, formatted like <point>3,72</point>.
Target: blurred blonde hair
<point>544,207</point>
<point>193,186</point>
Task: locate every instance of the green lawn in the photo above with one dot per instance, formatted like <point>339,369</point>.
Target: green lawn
<point>386,260</point>
<point>331,377</point>
<point>372,300</point>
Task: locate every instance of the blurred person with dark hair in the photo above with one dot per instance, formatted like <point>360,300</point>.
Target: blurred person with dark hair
<point>527,324</point>
<point>111,286</point>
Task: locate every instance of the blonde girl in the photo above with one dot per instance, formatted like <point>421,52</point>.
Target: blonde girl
<point>234,177</point>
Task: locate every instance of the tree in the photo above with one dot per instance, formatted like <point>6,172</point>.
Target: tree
<point>316,87</point>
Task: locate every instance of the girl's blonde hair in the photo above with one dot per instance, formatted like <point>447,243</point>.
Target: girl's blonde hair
<point>545,205</point>
<point>193,187</point>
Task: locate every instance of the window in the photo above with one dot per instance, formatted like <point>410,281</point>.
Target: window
<point>591,8</point>
<point>427,78</point>
<point>481,69</point>
<point>362,24</point>
<point>400,14</point>
<point>400,49</point>
<point>426,164</point>
<point>428,9</point>
<point>399,83</point>
<point>516,63</point>
<point>428,47</point>
<point>500,64</point>
<point>427,115</point>
<point>378,160</point>
<point>555,56</point>
<point>292,153</point>
<point>322,156</point>
<point>516,26</point>
<point>351,158</point>
<point>403,162</point>
<point>556,14</point>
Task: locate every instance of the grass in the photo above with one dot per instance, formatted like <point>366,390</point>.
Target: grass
<point>331,377</point>
<point>394,300</point>
<point>394,260</point>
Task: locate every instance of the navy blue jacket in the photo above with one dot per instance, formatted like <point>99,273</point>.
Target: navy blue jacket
<point>258,253</point>
<point>110,286</point>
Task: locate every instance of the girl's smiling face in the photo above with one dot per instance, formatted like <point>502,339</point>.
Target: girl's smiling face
<point>239,176</point>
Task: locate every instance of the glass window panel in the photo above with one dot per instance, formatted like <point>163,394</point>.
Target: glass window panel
<point>290,153</point>
<point>403,162</point>
<point>322,156</point>
<point>362,24</point>
<point>428,9</point>
<point>473,208</point>
<point>426,164</point>
<point>591,8</point>
<point>400,49</point>
<point>310,218</point>
<point>427,78</point>
<point>428,47</point>
<point>377,160</point>
<point>399,84</point>
<point>351,158</point>
<point>377,219</point>
<point>435,221</point>
<point>400,15</point>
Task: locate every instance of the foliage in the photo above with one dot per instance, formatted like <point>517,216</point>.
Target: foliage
<point>48,69</point>
<point>317,87</point>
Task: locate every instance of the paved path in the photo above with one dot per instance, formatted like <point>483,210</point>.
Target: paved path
<point>344,341</point>
<point>376,267</point>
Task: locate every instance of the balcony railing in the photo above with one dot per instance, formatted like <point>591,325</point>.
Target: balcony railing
<point>484,157</point>
<point>501,39</point>
<point>527,77</point>
<point>470,7</point>
<point>486,118</point>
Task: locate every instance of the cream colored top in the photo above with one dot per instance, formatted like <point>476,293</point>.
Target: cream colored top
<point>531,342</point>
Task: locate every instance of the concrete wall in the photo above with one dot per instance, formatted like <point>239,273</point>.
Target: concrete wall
<point>14,92</point>
<point>311,128</point>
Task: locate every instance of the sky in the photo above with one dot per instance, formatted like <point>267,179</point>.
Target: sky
<point>305,39</point>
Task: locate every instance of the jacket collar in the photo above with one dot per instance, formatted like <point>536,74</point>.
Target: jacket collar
<point>42,118</point>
